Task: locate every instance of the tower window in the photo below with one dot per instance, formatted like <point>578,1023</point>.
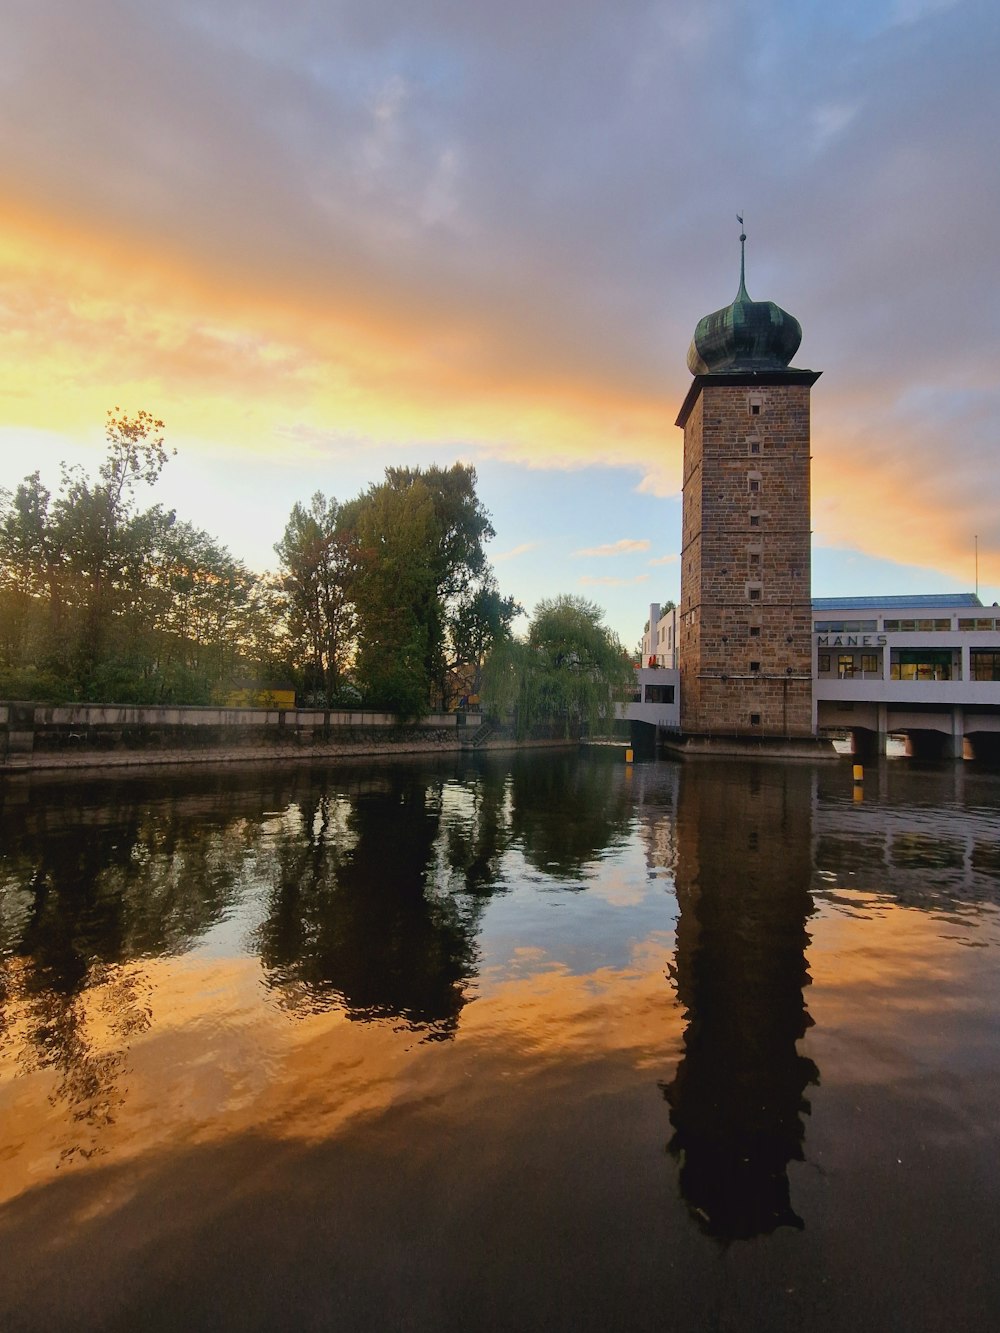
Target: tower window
<point>755,520</point>
<point>755,409</point>
<point>754,594</point>
<point>755,446</point>
<point>755,557</point>
<point>755,719</point>
<point>754,666</point>
<point>754,484</point>
<point>755,631</point>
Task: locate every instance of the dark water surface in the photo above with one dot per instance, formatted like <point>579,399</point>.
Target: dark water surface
<point>538,1042</point>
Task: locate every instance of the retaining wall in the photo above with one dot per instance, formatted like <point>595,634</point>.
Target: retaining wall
<point>36,735</point>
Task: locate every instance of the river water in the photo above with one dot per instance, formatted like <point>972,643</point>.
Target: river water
<point>528,1042</point>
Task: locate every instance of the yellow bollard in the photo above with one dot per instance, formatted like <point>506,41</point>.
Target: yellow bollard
<point>628,756</point>
<point>859,773</point>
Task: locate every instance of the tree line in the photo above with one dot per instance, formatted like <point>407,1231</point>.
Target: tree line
<point>384,601</point>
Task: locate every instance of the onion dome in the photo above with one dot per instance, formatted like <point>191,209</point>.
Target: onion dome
<point>747,335</point>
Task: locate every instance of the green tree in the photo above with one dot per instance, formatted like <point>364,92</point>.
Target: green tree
<point>566,675</point>
<point>417,549</point>
<point>482,620</point>
<point>394,535</point>
<point>455,557</point>
<point>104,542</point>
<point>316,568</point>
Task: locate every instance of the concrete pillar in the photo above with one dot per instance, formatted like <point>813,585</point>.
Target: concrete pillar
<point>882,728</point>
<point>956,746</point>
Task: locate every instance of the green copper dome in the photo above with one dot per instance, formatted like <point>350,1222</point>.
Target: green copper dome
<point>747,335</point>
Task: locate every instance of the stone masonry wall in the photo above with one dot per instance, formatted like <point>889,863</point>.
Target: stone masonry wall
<point>745,613</point>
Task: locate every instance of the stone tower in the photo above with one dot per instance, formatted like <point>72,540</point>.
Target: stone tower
<point>745,615</point>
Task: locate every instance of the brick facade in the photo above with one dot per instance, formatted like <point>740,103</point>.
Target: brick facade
<point>745,615</point>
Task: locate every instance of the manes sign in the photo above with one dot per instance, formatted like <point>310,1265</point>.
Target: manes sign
<point>850,640</point>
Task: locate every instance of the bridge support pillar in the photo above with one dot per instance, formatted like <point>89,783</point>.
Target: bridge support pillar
<point>956,742</point>
<point>882,730</point>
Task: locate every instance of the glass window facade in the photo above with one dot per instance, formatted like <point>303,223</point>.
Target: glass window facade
<point>912,626</point>
<point>922,664</point>
<point>984,664</point>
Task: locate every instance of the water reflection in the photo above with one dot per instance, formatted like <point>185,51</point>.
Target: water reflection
<point>87,887</point>
<point>566,813</point>
<point>925,839</point>
<point>737,1098</point>
<point>352,917</point>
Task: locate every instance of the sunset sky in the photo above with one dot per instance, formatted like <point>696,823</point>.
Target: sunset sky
<point>320,238</point>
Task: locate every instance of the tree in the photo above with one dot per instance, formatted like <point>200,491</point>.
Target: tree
<point>316,568</point>
<point>456,558</point>
<point>567,674</point>
<point>482,621</point>
<point>417,546</point>
<point>103,541</point>
<point>394,536</point>
<point>102,600</point>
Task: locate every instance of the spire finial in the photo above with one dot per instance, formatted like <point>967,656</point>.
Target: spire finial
<point>743,251</point>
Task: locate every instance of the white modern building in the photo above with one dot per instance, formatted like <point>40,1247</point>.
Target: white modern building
<point>927,667</point>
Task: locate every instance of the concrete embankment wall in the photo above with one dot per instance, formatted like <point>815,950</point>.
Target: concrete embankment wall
<point>35,736</point>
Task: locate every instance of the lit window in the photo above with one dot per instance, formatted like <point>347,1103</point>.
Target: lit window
<point>869,663</point>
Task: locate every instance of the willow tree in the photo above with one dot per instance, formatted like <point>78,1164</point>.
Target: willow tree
<point>566,675</point>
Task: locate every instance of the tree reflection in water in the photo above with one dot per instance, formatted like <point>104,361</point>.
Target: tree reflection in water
<point>91,882</point>
<point>567,811</point>
<point>353,917</point>
<point>737,1098</point>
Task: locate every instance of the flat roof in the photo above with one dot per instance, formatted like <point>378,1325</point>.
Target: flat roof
<point>905,603</point>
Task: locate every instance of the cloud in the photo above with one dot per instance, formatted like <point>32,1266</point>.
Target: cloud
<point>429,222</point>
<point>664,560</point>
<point>627,546</point>
<point>514,552</point>
<point>609,581</point>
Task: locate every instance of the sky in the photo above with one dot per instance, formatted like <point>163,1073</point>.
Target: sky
<point>319,239</point>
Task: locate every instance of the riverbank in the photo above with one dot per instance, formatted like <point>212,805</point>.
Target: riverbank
<point>37,737</point>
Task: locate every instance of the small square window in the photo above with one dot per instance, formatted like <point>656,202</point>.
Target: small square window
<point>755,446</point>
<point>755,631</point>
<point>754,666</point>
<point>755,719</point>
<point>755,557</point>
<point>755,409</point>
<point>755,520</point>
<point>755,594</point>
<point>754,484</point>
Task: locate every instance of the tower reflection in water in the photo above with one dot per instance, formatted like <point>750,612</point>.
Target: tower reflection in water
<point>737,1098</point>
